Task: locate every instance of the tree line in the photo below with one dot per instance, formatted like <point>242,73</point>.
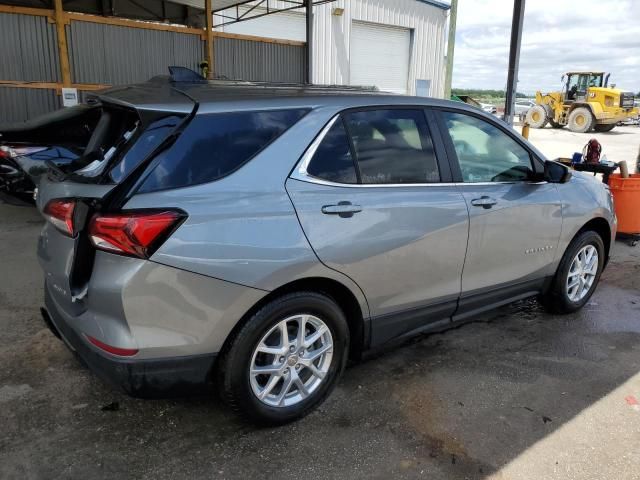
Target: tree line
<point>482,93</point>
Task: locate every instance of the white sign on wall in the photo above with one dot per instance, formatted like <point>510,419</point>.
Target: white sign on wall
<point>69,97</point>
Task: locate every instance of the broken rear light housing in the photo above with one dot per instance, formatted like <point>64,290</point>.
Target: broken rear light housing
<point>134,234</point>
<point>60,213</point>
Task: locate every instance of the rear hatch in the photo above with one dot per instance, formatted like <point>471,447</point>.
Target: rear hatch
<point>123,141</point>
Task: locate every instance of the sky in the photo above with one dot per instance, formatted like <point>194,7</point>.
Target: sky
<point>558,36</point>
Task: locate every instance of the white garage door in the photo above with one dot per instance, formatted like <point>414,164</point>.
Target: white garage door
<point>287,26</point>
<point>380,57</point>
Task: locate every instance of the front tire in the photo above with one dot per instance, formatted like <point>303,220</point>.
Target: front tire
<point>580,120</point>
<point>285,361</point>
<point>537,117</point>
<point>577,275</point>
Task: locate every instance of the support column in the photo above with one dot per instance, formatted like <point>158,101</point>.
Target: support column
<point>514,60</point>
<point>451,44</point>
<point>63,50</point>
<point>209,37</point>
<point>309,45</point>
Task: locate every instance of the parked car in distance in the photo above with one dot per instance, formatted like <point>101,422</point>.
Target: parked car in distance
<point>254,238</point>
<point>522,107</point>
<point>487,107</point>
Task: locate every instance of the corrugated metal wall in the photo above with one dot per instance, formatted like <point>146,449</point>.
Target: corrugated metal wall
<point>263,61</point>
<point>19,104</point>
<point>28,53</point>
<point>118,55</point>
<point>28,50</point>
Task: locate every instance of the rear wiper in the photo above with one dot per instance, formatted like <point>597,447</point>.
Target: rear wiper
<point>55,171</point>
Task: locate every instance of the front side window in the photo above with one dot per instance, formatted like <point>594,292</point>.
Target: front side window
<point>215,145</point>
<point>486,153</point>
<point>392,146</point>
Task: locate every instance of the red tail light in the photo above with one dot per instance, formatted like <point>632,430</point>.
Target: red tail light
<point>136,234</point>
<point>60,214</point>
<point>122,352</point>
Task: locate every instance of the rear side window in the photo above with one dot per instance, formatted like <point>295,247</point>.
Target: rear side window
<point>213,146</point>
<point>332,160</point>
<point>393,146</point>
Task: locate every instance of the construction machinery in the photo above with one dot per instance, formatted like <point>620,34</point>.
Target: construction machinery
<point>586,102</point>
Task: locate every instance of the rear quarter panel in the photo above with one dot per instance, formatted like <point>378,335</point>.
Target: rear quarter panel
<point>243,228</point>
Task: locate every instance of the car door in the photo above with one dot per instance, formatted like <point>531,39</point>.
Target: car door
<point>515,216</point>
<point>371,198</point>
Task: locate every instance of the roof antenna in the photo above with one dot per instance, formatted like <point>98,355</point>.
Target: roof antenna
<point>184,74</point>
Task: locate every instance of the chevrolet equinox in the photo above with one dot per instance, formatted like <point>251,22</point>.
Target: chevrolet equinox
<point>255,237</point>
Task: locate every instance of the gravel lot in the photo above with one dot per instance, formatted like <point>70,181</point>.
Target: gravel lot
<point>518,394</point>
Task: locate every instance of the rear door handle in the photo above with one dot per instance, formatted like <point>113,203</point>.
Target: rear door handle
<point>484,202</point>
<point>342,209</point>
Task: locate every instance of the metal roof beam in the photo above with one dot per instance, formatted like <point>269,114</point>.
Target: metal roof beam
<point>236,16</point>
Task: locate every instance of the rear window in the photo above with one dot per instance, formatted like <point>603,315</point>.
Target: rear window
<point>213,146</point>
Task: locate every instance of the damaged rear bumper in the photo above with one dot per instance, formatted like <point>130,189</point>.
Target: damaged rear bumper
<point>146,378</point>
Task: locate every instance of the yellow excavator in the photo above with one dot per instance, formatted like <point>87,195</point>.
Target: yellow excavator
<point>586,102</point>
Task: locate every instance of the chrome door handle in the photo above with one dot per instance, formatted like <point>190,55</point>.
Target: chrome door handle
<point>484,202</point>
<point>342,209</point>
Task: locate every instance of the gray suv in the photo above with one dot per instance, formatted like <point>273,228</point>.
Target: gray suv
<point>256,237</point>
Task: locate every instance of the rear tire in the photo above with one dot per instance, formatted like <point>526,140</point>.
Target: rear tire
<point>580,120</point>
<point>537,117</point>
<point>565,297</point>
<point>603,128</point>
<point>306,383</point>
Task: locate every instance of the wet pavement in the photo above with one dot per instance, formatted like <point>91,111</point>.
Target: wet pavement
<point>517,394</point>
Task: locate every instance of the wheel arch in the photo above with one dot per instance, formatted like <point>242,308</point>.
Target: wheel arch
<point>340,293</point>
<point>601,226</point>
<point>576,105</point>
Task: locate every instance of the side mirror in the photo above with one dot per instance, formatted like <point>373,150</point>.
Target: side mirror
<point>555,172</point>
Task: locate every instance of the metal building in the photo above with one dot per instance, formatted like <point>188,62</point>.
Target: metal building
<point>396,45</point>
<point>86,45</point>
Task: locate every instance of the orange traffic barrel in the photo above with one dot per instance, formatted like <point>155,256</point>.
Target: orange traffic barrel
<point>626,196</point>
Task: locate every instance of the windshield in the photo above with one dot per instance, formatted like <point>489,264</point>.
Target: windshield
<point>595,80</point>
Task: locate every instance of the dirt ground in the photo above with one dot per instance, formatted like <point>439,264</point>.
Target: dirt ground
<point>517,394</point>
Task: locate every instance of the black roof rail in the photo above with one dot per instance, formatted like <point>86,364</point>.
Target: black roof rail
<point>186,75</point>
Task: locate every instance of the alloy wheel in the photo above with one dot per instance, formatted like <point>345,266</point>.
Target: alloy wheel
<point>291,360</point>
<point>582,273</point>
